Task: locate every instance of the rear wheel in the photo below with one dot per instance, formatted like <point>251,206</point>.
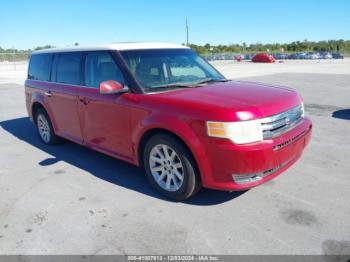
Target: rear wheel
<point>170,167</point>
<point>44,127</point>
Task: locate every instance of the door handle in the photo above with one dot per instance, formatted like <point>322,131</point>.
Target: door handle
<point>84,100</point>
<point>48,93</point>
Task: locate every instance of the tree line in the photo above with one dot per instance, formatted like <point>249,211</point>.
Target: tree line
<point>342,46</point>
<point>13,54</point>
<point>15,50</point>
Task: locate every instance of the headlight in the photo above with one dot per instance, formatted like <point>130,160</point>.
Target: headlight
<point>242,132</point>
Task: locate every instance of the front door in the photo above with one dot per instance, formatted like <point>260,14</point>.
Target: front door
<point>104,119</point>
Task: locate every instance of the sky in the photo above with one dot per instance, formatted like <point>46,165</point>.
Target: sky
<point>27,24</point>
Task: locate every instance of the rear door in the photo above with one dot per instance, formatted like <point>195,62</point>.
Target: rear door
<point>67,78</point>
<point>38,83</point>
<point>104,118</point>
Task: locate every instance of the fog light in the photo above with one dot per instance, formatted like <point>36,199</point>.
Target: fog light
<point>249,178</point>
<point>244,179</point>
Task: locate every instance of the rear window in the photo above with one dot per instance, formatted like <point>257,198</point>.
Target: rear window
<point>68,68</point>
<point>40,67</point>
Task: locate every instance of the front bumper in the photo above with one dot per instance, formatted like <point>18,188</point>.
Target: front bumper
<point>240,167</point>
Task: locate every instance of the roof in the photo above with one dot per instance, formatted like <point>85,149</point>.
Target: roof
<point>114,46</point>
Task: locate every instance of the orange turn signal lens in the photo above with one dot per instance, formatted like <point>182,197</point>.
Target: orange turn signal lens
<point>216,129</point>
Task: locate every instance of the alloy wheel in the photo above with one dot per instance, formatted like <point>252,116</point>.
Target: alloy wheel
<point>44,128</point>
<point>166,167</point>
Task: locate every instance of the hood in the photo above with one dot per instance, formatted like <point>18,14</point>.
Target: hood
<point>239,96</point>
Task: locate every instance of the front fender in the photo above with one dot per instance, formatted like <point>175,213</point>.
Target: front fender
<point>179,127</point>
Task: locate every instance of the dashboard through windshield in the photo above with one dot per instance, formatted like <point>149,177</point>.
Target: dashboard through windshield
<point>169,68</point>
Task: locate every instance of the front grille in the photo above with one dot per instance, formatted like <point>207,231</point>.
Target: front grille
<point>288,142</point>
<point>277,124</point>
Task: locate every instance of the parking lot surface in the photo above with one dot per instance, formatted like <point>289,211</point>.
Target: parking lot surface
<point>67,199</point>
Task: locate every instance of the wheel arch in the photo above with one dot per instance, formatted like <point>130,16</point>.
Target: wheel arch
<point>156,131</point>
<point>159,130</point>
<point>35,106</point>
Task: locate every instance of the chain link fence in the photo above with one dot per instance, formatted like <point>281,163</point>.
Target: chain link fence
<point>13,61</point>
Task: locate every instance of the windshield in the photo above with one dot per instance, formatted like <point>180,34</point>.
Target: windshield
<point>169,68</point>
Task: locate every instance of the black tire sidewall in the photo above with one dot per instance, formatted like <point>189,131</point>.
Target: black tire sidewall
<point>191,180</point>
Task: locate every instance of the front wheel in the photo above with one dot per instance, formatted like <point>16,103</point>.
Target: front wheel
<point>170,167</point>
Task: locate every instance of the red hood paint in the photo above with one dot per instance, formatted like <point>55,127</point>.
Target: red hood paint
<point>224,100</point>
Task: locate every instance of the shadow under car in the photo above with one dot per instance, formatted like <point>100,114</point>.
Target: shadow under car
<point>102,166</point>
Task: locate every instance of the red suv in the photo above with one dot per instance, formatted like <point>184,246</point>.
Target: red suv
<point>163,107</point>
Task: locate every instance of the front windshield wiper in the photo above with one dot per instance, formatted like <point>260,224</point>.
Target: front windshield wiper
<point>188,85</point>
<point>177,85</point>
<point>211,80</point>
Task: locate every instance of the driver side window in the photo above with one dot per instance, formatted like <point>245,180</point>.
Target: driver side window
<point>99,67</point>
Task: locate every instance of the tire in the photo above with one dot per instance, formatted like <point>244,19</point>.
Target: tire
<point>44,128</point>
<point>166,160</point>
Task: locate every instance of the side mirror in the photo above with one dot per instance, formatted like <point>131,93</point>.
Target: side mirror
<point>111,87</point>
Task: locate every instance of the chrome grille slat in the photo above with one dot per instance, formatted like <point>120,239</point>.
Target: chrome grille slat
<point>274,125</point>
<point>278,124</point>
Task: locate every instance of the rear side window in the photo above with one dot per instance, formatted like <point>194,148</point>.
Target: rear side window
<point>100,67</point>
<point>68,68</point>
<point>40,67</point>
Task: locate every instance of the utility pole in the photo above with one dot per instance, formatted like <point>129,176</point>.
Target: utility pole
<point>187,32</point>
